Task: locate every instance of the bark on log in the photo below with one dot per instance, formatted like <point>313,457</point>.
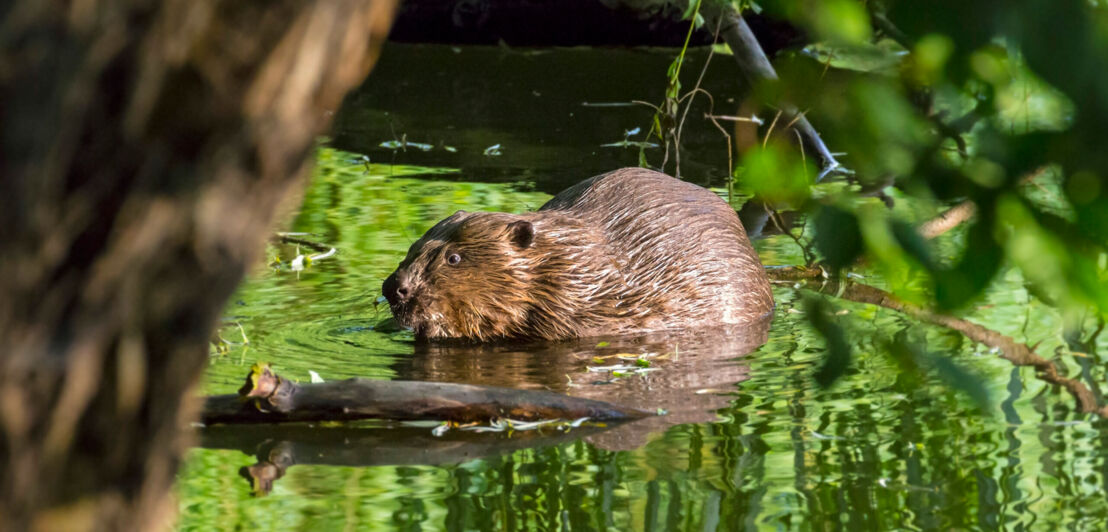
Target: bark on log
<point>145,147</point>
<point>269,398</point>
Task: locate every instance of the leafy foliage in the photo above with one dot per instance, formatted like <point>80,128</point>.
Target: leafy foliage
<point>944,102</point>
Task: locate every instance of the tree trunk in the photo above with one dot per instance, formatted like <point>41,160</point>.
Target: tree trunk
<point>146,146</point>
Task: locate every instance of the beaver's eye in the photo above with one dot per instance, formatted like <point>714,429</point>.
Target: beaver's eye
<point>453,259</point>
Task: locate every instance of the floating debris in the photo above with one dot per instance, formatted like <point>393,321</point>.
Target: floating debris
<point>404,144</point>
<point>607,104</point>
<point>628,143</point>
<point>509,425</point>
<point>492,151</point>
<point>634,365</point>
<point>297,264</point>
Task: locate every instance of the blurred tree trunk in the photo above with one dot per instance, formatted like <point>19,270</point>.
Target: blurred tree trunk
<point>146,146</point>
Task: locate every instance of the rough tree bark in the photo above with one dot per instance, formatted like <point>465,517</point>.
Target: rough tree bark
<point>146,146</point>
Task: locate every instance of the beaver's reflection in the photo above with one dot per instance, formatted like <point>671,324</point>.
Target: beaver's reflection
<point>695,371</point>
<point>694,374</point>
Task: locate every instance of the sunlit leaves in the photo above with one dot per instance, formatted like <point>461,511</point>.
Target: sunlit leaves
<point>968,117</point>
<point>872,121</point>
<point>775,175</point>
<point>844,21</point>
<point>883,57</point>
<point>890,133</point>
<point>841,20</point>
<point>928,60</point>
<point>1059,262</point>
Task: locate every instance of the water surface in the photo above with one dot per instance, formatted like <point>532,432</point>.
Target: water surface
<point>750,440</point>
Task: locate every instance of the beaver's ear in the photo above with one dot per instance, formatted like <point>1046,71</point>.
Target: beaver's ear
<point>521,233</point>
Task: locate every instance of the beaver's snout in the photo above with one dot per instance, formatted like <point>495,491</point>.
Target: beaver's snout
<point>397,288</point>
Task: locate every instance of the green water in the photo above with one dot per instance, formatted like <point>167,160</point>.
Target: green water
<point>750,442</point>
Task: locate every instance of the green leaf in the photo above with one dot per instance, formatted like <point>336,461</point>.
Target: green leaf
<point>968,279</point>
<point>776,175</point>
<point>838,236</point>
<point>912,243</point>
<point>841,20</point>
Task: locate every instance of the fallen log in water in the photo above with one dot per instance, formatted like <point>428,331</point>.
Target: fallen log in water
<point>269,398</point>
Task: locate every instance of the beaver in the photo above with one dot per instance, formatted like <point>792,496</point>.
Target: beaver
<point>632,250</point>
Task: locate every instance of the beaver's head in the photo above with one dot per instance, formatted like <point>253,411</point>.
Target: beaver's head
<point>468,277</point>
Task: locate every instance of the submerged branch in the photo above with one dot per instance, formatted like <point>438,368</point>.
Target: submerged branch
<point>1015,352</point>
<point>269,398</point>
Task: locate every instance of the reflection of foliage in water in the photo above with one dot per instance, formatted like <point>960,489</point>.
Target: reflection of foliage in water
<point>881,448</point>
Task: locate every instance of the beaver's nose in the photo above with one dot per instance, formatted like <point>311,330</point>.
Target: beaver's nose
<point>397,288</point>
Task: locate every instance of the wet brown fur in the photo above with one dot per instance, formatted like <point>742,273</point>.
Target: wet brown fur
<point>628,251</point>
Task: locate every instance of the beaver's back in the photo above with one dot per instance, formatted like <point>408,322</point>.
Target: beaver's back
<point>679,242</point>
